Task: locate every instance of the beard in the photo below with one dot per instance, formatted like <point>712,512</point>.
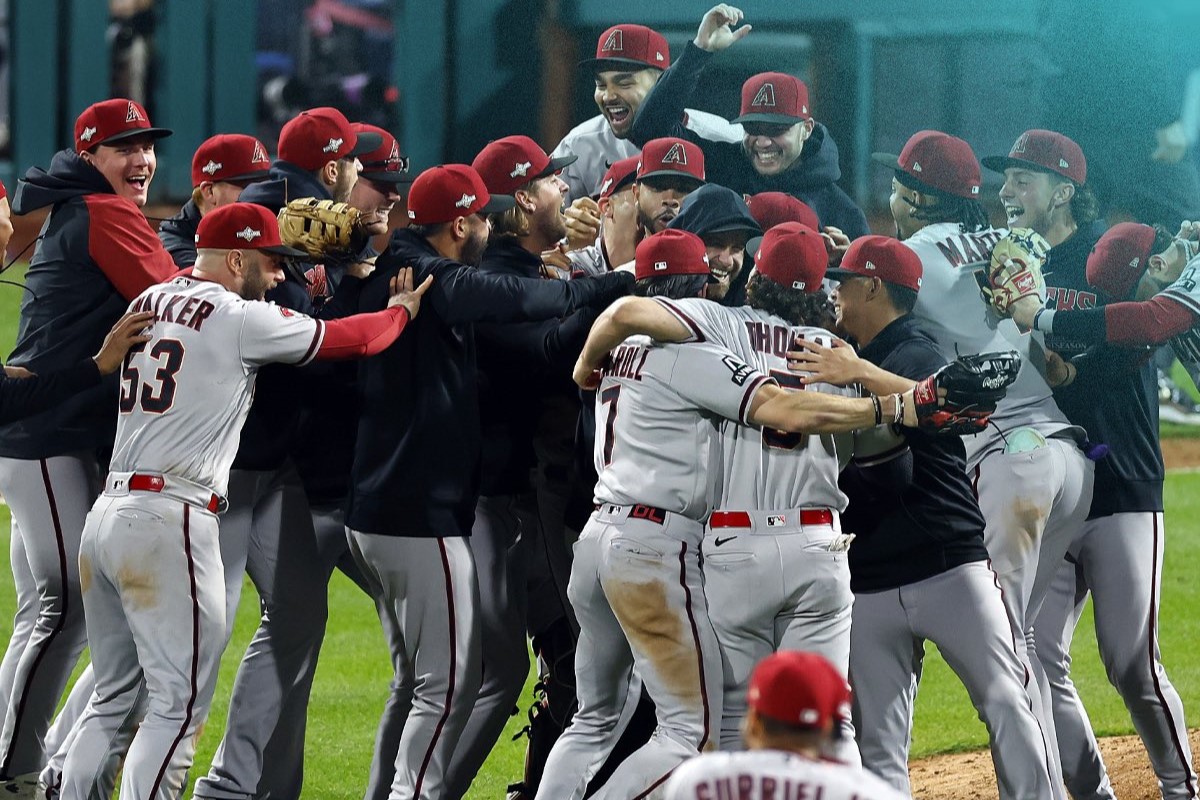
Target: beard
<point>472,252</point>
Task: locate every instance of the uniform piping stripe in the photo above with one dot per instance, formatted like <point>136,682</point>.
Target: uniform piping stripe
<point>655,785</point>
<point>687,594</point>
<point>697,334</point>
<point>1152,641</point>
<point>315,344</point>
<point>744,408</point>
<point>194,688</point>
<point>437,732</point>
<point>58,626</point>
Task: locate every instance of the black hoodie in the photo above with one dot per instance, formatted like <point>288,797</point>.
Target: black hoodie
<point>95,253</point>
<point>416,462</point>
<point>178,234</point>
<point>813,178</point>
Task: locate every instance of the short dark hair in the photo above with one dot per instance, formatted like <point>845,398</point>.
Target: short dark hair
<point>1084,205</point>
<point>902,297</point>
<point>1162,238</point>
<point>798,308</point>
<point>425,231</point>
<point>969,214</point>
<point>802,734</point>
<point>675,287</point>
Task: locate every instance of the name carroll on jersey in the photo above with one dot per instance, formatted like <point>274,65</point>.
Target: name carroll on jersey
<point>626,362</point>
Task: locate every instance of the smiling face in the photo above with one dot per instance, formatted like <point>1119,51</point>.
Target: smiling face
<point>262,271</point>
<point>375,201</point>
<point>849,298</point>
<point>775,148</point>
<point>619,93</point>
<point>128,165</point>
<point>1030,197</point>
<point>726,254</point>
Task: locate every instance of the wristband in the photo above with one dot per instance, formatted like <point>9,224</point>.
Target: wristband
<point>878,409</point>
<point>899,409</point>
<point>1043,320</point>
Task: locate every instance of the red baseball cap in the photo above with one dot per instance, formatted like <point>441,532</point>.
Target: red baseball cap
<point>1119,258</point>
<point>230,157</point>
<point>1045,151</point>
<point>799,689</point>
<point>790,254</point>
<point>938,160</point>
<point>775,98</point>
<point>671,252</point>
<point>111,121</point>
<point>624,46</point>
<point>384,163</point>
<point>440,194</point>
<point>320,135</point>
<point>773,208</point>
<point>671,156</point>
<point>881,257</point>
<point>508,164</point>
<point>619,175</point>
<point>242,226</point>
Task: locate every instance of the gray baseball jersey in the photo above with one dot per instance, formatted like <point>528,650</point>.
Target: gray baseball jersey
<point>767,469</point>
<point>182,407</point>
<point>668,457</point>
<point>767,774</point>
<point>1186,290</point>
<point>598,148</point>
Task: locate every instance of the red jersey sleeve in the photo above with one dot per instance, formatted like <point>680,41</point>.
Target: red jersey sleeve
<point>362,334</point>
<point>124,246</point>
<point>1152,321</point>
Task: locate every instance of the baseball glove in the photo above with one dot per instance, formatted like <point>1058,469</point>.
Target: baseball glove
<point>1015,270</point>
<point>321,228</point>
<point>974,385</point>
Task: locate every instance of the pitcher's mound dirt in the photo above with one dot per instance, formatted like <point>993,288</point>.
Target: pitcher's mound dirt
<point>1181,453</point>
<point>969,776</point>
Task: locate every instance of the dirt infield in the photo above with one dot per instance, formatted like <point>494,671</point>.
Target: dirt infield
<point>1181,453</point>
<point>969,776</point>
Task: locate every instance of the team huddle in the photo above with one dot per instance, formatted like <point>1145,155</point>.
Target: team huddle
<point>656,401</point>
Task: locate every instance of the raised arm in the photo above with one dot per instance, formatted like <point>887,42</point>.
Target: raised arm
<point>627,317</point>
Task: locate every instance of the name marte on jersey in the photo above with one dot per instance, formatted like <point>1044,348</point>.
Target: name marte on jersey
<point>626,362</point>
<point>190,311</point>
<point>968,248</point>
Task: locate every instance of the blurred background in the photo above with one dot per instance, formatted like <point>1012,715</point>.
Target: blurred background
<point>448,75</point>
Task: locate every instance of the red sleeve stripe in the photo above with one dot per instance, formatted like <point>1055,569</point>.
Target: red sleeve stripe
<point>697,336</point>
<point>751,390</point>
<point>315,344</point>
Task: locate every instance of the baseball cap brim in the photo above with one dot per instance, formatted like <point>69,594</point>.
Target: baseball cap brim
<point>839,274</point>
<point>256,175</point>
<point>387,176</point>
<point>556,164</point>
<point>1001,163</point>
<point>154,133</point>
<point>769,119</point>
<point>366,143</point>
<point>887,159</point>
<point>497,203</point>
<point>283,250</point>
<point>615,65</point>
<point>753,244</point>
<point>672,173</point>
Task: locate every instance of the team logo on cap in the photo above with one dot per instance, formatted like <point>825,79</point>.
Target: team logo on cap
<point>1019,144</point>
<point>211,167</point>
<point>520,169</point>
<point>1134,264</point>
<point>248,233</point>
<point>465,201</point>
<point>869,265</point>
<point>659,266</point>
<point>676,155</point>
<point>615,43</point>
<point>916,166</point>
<point>333,146</point>
<point>765,96</point>
<point>396,162</point>
<point>659,56</point>
<point>1062,162</point>
<point>133,113</point>
<point>604,186</point>
<point>87,134</point>
<point>260,155</point>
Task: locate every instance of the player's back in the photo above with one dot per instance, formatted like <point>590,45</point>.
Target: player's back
<point>1186,290</point>
<point>767,470</point>
<point>952,311</point>
<point>185,393</point>
<point>767,774</point>
<point>657,410</point>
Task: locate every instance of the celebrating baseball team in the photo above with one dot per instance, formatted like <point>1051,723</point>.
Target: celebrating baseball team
<point>792,452</point>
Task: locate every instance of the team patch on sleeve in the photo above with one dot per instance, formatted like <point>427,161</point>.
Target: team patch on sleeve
<point>740,370</point>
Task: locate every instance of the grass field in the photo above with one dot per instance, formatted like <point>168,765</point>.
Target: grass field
<point>353,675</point>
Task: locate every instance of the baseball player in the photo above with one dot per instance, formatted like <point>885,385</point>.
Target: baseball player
<point>222,166</point>
<point>1033,482</point>
<point>629,61</point>
<point>919,548</point>
<point>636,584</point>
<point>96,253</point>
<point>269,530</point>
<point>414,484</point>
<point>150,562</point>
<point>776,524</point>
<point>1111,390</point>
<point>618,237</point>
<point>796,700</point>
<point>722,220</point>
<point>669,170</point>
<point>783,149</point>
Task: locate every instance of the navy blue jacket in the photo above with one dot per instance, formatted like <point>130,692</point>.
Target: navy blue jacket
<point>178,234</point>
<point>416,462</point>
<point>910,530</point>
<point>813,178</point>
<point>24,397</point>
<point>96,252</point>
